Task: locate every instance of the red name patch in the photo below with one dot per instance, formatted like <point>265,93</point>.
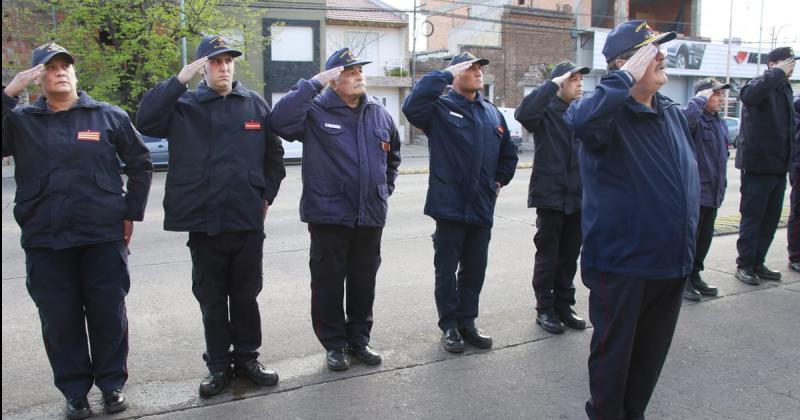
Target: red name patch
<point>386,146</point>
<point>89,135</point>
<point>500,129</point>
<point>252,125</point>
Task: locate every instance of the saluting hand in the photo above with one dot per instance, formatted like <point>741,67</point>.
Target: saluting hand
<point>705,93</point>
<point>328,75</point>
<point>561,79</point>
<point>637,64</point>
<point>459,68</point>
<point>191,69</point>
<point>787,66</point>
<point>23,79</point>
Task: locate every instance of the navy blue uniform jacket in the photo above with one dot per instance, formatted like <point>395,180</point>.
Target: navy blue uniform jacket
<point>710,143</point>
<point>350,156</point>
<point>470,149</point>
<point>69,190</point>
<point>767,124</point>
<point>555,178</point>
<point>224,161</point>
<point>640,183</point>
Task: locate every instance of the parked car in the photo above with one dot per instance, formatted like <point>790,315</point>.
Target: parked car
<point>514,127</point>
<point>159,151</point>
<point>733,131</point>
<point>685,55</point>
<point>292,151</point>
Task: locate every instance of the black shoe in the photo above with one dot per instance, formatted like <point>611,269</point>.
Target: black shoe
<point>337,359</point>
<point>114,401</point>
<point>214,383</point>
<point>78,408</point>
<point>366,354</point>
<point>452,341</point>
<point>549,322</point>
<point>570,319</point>
<point>746,275</point>
<point>256,372</point>
<point>689,292</point>
<point>474,337</point>
<point>704,288</point>
<point>794,266</point>
<point>765,273</point>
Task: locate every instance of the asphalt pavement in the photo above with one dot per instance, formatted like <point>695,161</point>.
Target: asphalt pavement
<point>733,357</point>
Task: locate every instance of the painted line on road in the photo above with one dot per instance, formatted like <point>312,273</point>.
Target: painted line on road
<point>728,225</point>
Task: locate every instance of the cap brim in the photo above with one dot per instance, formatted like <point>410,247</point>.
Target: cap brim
<point>581,70</point>
<point>231,51</point>
<point>49,57</point>
<point>721,86</point>
<point>357,63</point>
<point>659,39</point>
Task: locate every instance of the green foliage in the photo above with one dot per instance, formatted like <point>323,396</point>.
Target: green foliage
<point>397,72</point>
<point>124,47</point>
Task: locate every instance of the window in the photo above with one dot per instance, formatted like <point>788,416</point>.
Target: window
<point>292,43</point>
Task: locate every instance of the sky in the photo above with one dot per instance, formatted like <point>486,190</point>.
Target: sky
<point>714,20</point>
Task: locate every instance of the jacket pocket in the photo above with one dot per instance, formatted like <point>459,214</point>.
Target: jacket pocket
<point>383,191</point>
<point>28,191</point>
<point>333,129</point>
<point>326,187</point>
<point>108,185</point>
<point>460,122</point>
<point>447,177</point>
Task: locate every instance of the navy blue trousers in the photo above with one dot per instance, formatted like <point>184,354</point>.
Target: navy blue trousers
<point>77,290</point>
<point>558,243</point>
<point>793,228</point>
<point>760,206</point>
<point>633,320</point>
<point>461,251</point>
<point>343,262</point>
<point>226,280</point>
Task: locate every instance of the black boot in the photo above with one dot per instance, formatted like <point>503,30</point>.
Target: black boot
<point>568,317</point>
<point>78,408</point>
<point>704,288</point>
<point>452,341</point>
<point>549,322</point>
<point>765,273</point>
<point>256,372</point>
<point>746,275</point>
<point>214,383</point>
<point>689,292</point>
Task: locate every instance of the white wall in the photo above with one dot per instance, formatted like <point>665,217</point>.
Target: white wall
<point>386,47</point>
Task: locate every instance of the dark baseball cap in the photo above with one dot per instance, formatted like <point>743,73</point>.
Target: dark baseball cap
<point>780,54</point>
<point>214,45</point>
<point>344,58</point>
<point>632,34</point>
<point>47,52</point>
<point>710,83</point>
<point>468,56</point>
<point>567,67</point>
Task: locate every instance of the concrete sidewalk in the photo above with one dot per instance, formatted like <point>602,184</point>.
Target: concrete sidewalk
<point>733,357</point>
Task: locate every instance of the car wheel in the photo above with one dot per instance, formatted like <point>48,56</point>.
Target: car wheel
<point>680,60</point>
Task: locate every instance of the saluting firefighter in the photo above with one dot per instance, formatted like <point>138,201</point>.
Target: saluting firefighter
<point>471,158</point>
<point>225,168</point>
<point>76,222</point>
<point>351,152</point>
<point>555,190</point>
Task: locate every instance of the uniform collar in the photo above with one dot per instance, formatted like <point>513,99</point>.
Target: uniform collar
<point>205,93</point>
<point>709,116</point>
<point>40,106</point>
<point>330,99</point>
<point>660,101</point>
<point>463,100</point>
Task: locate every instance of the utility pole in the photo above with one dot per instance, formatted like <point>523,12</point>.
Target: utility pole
<point>760,29</point>
<point>183,39</point>
<point>414,47</point>
<point>728,59</point>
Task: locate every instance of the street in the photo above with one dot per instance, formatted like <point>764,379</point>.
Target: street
<point>733,357</point>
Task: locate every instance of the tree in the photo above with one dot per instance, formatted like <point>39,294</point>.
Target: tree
<point>124,47</point>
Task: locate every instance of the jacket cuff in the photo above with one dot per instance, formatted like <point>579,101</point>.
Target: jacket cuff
<point>134,214</point>
<point>8,101</point>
